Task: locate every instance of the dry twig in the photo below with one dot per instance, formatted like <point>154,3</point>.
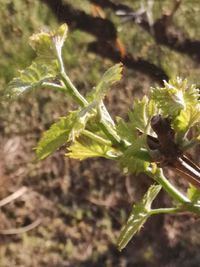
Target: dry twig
<point>21,230</point>
<point>13,196</point>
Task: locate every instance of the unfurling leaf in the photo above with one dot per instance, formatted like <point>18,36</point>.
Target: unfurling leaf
<point>45,43</point>
<point>45,66</point>
<point>179,101</point>
<point>177,95</point>
<point>136,157</point>
<point>139,214</point>
<point>111,76</point>
<point>141,114</point>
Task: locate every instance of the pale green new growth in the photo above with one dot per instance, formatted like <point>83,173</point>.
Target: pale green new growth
<point>45,43</point>
<point>85,147</point>
<point>31,78</point>
<point>56,136</point>
<point>138,119</point>
<point>45,67</point>
<point>73,126</point>
<point>138,216</point>
<point>193,194</point>
<point>177,95</point>
<point>135,158</point>
<point>111,76</point>
<point>179,101</point>
<point>90,131</point>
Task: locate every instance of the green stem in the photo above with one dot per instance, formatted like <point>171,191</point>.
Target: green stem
<point>174,193</point>
<point>164,210</point>
<point>107,125</point>
<point>97,138</point>
<point>54,86</point>
<point>106,128</point>
<point>110,133</point>
<point>78,98</point>
<point>107,113</point>
<point>81,101</point>
<point>67,82</point>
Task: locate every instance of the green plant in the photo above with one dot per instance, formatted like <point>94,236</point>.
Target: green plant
<point>155,135</point>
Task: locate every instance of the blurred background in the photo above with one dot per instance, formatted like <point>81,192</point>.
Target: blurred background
<point>76,209</point>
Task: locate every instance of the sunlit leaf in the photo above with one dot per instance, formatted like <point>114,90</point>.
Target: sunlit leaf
<point>66,129</point>
<point>175,96</point>
<point>45,66</point>
<point>138,216</point>
<point>111,76</point>
<point>31,78</point>
<point>193,194</point>
<point>186,119</point>
<point>179,101</point>
<point>85,147</point>
<point>56,136</point>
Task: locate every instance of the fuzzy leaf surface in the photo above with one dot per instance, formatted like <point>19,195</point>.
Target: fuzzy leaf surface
<point>179,101</point>
<point>138,216</point>
<point>45,42</point>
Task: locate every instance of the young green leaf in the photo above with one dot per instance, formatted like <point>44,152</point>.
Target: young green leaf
<point>95,98</point>
<point>45,43</point>
<point>193,194</point>
<point>47,46</point>
<point>139,215</point>
<point>85,147</point>
<point>125,131</point>
<point>56,136</point>
<point>185,120</point>
<point>66,129</point>
<point>111,76</point>
<point>139,119</point>
<point>139,116</point>
<point>179,101</point>
<point>31,78</point>
<point>177,95</point>
<point>136,158</point>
